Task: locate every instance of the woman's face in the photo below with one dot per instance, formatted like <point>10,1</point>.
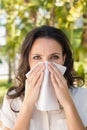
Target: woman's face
<point>46,49</point>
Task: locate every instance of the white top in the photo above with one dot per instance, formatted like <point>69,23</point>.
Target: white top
<point>50,120</point>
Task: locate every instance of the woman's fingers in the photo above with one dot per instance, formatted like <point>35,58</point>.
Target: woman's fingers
<point>53,80</point>
<point>60,86</point>
<point>33,83</point>
<point>37,77</point>
<point>33,72</point>
<point>32,93</point>
<point>57,74</point>
<point>34,77</point>
<point>39,82</point>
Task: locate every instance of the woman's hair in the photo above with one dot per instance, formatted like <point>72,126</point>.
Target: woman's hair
<point>41,32</point>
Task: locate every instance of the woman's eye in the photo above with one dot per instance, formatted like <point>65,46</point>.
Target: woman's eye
<point>55,57</point>
<point>36,57</point>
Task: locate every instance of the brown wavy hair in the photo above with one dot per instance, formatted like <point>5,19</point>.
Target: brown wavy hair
<point>41,32</point>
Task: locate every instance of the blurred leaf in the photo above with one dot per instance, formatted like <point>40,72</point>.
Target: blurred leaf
<point>0,61</point>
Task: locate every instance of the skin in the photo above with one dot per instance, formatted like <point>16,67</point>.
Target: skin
<point>47,49</point>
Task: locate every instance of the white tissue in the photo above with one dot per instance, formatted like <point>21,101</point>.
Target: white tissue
<point>32,69</point>
<point>47,99</point>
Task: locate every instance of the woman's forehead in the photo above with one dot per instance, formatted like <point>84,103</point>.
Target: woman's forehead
<point>46,45</point>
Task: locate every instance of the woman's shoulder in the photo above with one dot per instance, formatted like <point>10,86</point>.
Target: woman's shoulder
<point>7,99</point>
<point>7,103</point>
<point>79,91</point>
<point>9,110</point>
<point>79,96</point>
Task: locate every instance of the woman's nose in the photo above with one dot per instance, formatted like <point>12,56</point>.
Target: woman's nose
<point>45,59</point>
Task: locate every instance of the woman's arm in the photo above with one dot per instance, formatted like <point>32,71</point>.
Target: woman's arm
<point>32,89</point>
<point>61,89</point>
<point>23,120</point>
<point>73,119</point>
<point>24,117</point>
<point>5,128</point>
<point>33,84</point>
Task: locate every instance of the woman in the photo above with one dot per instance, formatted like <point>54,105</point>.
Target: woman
<point>42,44</point>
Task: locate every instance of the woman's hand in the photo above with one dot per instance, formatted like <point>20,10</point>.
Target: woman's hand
<point>33,84</point>
<point>60,85</point>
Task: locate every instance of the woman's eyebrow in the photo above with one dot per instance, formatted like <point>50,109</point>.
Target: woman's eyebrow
<point>55,53</point>
<point>37,54</point>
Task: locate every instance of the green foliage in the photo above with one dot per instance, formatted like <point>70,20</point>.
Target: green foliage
<point>0,61</point>
<point>4,86</point>
<point>80,71</point>
<point>22,16</point>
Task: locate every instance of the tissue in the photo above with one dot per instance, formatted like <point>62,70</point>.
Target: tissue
<point>47,100</point>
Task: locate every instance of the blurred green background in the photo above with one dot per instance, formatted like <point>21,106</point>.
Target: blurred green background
<point>18,17</point>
